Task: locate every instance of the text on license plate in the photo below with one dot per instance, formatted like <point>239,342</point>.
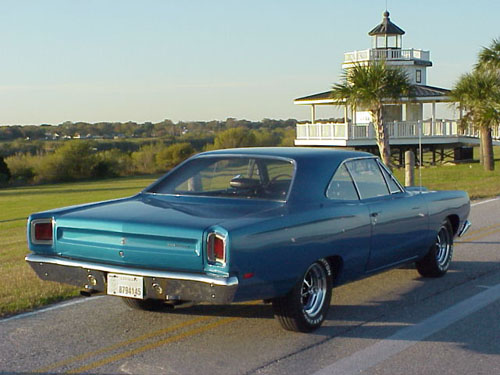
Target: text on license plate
<point>125,285</point>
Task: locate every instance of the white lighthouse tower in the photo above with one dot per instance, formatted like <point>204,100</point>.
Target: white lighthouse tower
<point>387,45</point>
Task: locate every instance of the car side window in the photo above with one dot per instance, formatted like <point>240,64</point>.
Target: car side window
<point>341,186</point>
<point>393,186</point>
<point>368,178</point>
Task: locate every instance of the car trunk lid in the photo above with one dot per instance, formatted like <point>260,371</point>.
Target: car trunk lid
<point>145,231</point>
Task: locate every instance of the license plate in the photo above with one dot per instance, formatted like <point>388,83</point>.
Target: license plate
<point>125,285</point>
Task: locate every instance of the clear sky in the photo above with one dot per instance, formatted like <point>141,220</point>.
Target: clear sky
<point>149,60</point>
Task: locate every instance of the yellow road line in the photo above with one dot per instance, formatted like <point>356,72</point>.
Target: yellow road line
<point>483,229</point>
<point>467,239</point>
<point>153,345</point>
<point>122,344</point>
<point>180,336</point>
<point>483,232</point>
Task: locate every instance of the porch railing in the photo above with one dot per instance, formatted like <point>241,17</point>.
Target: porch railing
<point>386,54</point>
<point>401,129</point>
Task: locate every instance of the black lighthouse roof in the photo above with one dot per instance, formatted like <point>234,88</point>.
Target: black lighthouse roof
<point>386,27</point>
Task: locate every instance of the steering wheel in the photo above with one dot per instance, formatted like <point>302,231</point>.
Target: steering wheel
<point>275,178</point>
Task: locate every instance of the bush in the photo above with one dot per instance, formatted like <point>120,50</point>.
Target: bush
<point>172,155</point>
<point>75,160</point>
<point>144,160</point>
<point>112,163</point>
<point>23,166</point>
<point>4,172</point>
<point>233,138</point>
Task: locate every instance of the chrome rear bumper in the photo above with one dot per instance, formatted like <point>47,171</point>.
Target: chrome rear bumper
<point>175,286</point>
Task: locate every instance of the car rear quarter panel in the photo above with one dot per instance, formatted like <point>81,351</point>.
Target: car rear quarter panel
<point>278,251</point>
<point>453,205</point>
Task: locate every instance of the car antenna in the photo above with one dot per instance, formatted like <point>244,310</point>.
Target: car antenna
<point>420,156</point>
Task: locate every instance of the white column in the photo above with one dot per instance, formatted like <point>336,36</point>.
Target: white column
<point>345,113</point>
<point>404,110</point>
<point>313,114</point>
<point>460,115</point>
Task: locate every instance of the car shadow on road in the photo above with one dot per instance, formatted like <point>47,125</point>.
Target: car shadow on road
<point>379,316</point>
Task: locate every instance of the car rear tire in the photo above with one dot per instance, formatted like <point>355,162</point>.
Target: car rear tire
<point>437,261</point>
<point>144,304</point>
<point>305,307</point>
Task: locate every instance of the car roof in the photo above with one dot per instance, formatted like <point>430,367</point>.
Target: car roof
<point>296,153</point>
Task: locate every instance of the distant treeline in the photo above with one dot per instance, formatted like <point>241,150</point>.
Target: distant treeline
<point>70,152</point>
<point>131,129</point>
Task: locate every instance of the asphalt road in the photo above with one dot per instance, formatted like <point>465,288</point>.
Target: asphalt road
<point>392,323</point>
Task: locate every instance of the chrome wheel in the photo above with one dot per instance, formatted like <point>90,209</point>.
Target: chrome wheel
<point>437,261</point>
<point>443,248</point>
<point>314,287</point>
<point>304,308</point>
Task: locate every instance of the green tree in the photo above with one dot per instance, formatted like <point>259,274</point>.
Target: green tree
<point>234,138</point>
<point>112,163</point>
<point>489,57</point>
<point>144,160</point>
<point>23,166</point>
<point>479,94</point>
<point>174,154</point>
<point>4,172</point>
<point>266,138</point>
<point>72,161</point>
<point>288,138</point>
<point>368,87</point>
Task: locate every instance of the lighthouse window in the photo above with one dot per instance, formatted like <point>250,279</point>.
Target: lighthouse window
<point>418,76</point>
<point>392,41</point>
<point>381,41</point>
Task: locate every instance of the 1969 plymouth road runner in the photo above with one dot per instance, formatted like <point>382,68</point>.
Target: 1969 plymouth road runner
<point>283,225</point>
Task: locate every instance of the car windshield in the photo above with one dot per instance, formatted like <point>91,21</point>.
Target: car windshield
<point>230,177</point>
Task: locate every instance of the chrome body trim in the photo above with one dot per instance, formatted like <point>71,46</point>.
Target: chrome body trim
<point>465,227</point>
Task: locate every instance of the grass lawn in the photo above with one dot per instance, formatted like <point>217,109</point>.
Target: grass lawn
<point>22,290</point>
<point>469,177</point>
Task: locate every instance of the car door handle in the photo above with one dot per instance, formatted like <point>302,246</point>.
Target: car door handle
<point>421,214</point>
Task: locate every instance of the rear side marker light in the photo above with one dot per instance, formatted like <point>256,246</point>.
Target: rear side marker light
<point>42,231</point>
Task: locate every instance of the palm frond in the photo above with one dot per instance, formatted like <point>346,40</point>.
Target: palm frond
<point>489,57</point>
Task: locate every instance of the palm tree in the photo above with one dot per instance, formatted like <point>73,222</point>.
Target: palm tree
<point>479,94</point>
<point>368,86</point>
<point>489,57</point>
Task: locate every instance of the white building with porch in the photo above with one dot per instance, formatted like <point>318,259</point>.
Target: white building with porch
<point>404,118</point>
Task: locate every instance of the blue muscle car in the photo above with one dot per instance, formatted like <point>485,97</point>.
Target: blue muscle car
<point>283,225</point>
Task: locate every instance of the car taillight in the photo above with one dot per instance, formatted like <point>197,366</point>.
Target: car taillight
<point>216,248</point>
<point>41,231</point>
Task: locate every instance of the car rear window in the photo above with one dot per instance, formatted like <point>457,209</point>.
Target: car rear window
<point>230,177</point>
